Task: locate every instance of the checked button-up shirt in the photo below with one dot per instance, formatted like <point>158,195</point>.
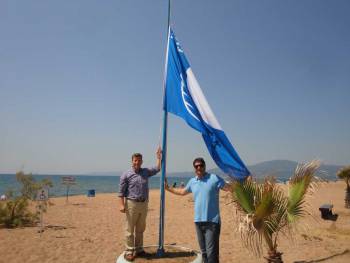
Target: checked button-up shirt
<point>135,185</point>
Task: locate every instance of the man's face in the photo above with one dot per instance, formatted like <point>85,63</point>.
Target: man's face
<point>136,163</point>
<point>199,168</point>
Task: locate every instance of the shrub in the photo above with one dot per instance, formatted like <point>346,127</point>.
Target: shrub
<point>15,211</point>
<point>30,186</point>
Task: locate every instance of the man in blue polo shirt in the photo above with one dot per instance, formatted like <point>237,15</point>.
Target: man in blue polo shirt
<point>205,188</point>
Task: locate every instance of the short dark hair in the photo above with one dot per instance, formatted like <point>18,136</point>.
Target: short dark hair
<point>136,155</point>
<point>199,160</point>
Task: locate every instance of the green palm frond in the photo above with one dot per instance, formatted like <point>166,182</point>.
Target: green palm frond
<point>265,205</point>
<point>244,195</point>
<point>299,185</point>
<point>277,219</point>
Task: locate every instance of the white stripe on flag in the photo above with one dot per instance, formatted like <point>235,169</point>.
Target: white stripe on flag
<point>200,101</point>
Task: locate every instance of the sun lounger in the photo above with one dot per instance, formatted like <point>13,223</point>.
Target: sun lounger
<point>326,212</point>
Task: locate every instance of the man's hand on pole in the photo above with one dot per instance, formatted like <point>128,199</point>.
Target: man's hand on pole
<point>159,157</point>
<point>166,186</point>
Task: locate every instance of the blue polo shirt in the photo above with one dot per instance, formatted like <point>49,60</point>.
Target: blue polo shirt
<point>206,197</point>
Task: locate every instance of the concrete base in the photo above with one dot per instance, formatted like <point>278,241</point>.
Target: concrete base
<point>198,259</point>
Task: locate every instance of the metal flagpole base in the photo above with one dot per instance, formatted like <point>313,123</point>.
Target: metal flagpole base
<point>160,252</point>
<point>198,258</point>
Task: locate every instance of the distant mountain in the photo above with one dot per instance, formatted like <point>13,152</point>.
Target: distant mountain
<point>281,169</point>
<point>284,169</point>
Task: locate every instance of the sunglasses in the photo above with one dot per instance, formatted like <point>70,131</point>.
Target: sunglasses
<point>199,165</point>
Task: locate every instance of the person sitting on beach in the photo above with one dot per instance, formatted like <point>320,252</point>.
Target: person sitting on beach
<point>133,193</point>
<point>205,188</point>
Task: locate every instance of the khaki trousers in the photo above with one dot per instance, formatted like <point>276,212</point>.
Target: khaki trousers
<point>136,213</point>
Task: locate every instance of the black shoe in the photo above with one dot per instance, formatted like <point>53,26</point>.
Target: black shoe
<point>142,254</point>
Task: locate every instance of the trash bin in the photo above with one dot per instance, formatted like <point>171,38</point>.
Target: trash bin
<point>91,193</point>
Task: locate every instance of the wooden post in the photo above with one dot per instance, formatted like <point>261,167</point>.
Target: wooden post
<point>68,181</point>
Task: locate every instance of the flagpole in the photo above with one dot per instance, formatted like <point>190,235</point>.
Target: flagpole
<point>160,251</point>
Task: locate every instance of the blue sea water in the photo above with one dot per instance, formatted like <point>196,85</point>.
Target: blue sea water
<point>83,183</point>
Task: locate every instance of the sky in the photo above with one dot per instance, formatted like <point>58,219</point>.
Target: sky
<point>81,81</point>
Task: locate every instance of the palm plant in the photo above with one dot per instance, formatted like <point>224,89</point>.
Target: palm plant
<point>266,211</point>
<point>344,173</point>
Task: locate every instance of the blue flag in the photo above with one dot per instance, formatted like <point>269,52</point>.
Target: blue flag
<point>184,98</point>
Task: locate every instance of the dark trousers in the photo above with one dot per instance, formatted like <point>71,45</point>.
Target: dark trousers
<point>208,234</point>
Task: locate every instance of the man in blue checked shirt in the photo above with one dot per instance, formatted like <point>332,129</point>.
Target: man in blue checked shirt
<point>205,188</point>
<point>133,193</point>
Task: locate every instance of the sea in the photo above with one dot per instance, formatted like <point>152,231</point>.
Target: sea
<point>83,183</point>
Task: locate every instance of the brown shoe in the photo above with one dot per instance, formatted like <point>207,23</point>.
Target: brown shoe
<point>129,257</point>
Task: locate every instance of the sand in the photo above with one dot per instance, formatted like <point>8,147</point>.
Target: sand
<point>92,230</point>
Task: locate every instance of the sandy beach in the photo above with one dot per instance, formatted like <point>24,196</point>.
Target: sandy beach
<point>92,230</point>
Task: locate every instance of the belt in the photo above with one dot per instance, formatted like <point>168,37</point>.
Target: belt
<point>137,199</point>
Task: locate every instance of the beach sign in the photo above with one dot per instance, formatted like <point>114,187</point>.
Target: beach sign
<point>68,181</point>
<point>42,194</point>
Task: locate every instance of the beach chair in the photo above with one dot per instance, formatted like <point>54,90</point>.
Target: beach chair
<point>326,212</point>
<point>91,193</point>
